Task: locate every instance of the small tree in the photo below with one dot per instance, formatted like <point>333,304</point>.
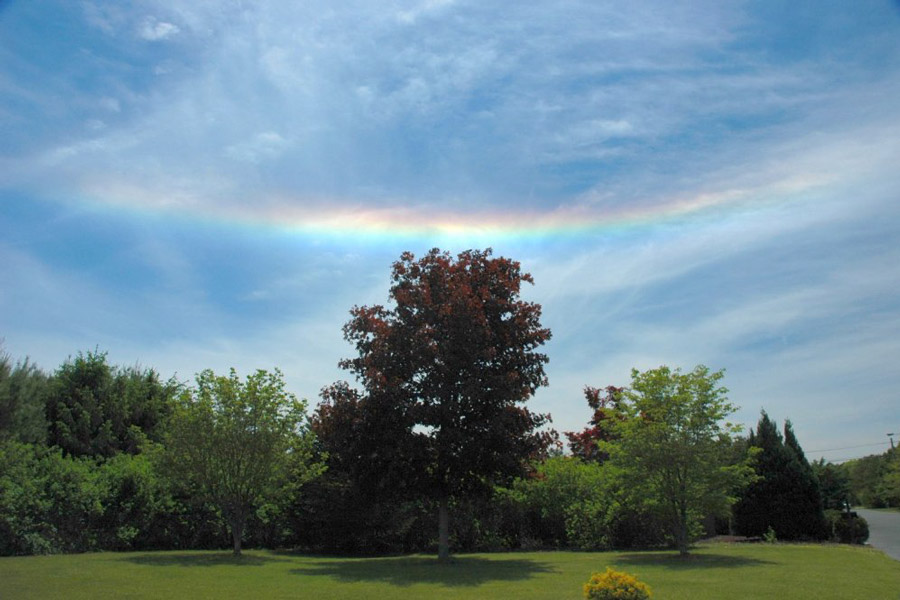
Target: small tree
<point>673,447</point>
<point>240,443</point>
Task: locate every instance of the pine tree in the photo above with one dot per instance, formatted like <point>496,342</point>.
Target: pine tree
<point>787,497</point>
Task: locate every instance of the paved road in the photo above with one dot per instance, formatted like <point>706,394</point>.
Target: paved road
<point>884,530</point>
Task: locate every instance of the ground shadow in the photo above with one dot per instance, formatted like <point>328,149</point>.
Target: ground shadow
<point>705,560</point>
<point>200,559</point>
<point>466,571</point>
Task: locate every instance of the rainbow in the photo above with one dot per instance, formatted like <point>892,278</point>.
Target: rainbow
<point>339,219</point>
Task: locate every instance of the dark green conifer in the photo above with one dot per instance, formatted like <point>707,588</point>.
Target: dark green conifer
<point>787,496</point>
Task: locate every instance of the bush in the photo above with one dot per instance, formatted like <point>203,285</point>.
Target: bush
<point>615,585</point>
<point>847,528</point>
<point>48,502</point>
<point>137,506</point>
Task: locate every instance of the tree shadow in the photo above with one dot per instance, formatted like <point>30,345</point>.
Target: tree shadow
<point>200,559</point>
<point>466,571</point>
<point>677,562</point>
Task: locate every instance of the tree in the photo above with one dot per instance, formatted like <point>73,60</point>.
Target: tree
<point>448,368</point>
<point>834,484</point>
<point>889,486</point>
<point>672,450</point>
<point>23,388</point>
<point>866,479</point>
<point>96,409</point>
<point>240,443</point>
<point>786,495</point>
<point>584,445</point>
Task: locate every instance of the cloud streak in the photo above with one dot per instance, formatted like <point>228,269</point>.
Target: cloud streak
<point>217,183</point>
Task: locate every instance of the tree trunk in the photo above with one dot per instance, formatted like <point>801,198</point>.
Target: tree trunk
<point>237,532</point>
<point>443,531</point>
<point>681,536</point>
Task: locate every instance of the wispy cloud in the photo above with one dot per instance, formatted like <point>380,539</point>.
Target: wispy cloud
<point>154,30</point>
<point>735,165</point>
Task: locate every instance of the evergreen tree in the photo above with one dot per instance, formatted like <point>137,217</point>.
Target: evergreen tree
<point>23,388</point>
<point>98,410</point>
<point>786,497</point>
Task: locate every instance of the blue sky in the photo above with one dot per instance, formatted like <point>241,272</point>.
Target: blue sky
<point>215,184</point>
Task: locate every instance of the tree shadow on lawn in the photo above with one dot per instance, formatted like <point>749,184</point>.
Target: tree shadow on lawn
<point>466,571</point>
<point>200,559</point>
<point>669,560</point>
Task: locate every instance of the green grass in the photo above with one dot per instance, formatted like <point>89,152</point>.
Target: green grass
<point>720,571</point>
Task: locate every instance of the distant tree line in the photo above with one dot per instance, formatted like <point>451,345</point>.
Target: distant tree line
<point>434,450</point>
<point>872,481</point>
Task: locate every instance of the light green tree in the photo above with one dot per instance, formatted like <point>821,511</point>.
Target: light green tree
<point>674,451</point>
<point>889,486</point>
<point>241,443</point>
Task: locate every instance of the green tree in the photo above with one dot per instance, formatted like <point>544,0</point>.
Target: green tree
<point>866,477</point>
<point>448,367</point>
<point>23,389</point>
<point>888,487</point>
<point>786,495</point>
<point>242,444</point>
<point>834,484</point>
<point>673,447</point>
<point>96,409</point>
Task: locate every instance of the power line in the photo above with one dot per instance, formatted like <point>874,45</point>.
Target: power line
<point>848,448</point>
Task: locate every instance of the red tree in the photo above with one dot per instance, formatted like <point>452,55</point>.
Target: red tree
<point>607,410</point>
<point>448,368</point>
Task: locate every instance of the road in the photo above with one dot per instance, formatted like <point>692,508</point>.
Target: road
<point>884,530</point>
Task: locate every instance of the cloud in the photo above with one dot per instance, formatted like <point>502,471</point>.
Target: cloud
<point>263,146</point>
<point>429,7</point>
<point>154,30</point>
<point>550,104</point>
<point>745,174</point>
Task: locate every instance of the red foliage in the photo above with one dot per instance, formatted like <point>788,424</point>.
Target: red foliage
<point>445,372</point>
<point>606,411</point>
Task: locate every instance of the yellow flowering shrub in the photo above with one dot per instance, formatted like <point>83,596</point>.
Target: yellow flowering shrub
<point>615,585</point>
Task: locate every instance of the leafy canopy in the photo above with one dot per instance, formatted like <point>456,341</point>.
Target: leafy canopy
<point>673,446</point>
<point>451,362</point>
<point>445,372</point>
<point>240,442</point>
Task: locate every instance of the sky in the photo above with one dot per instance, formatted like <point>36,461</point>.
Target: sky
<point>214,184</point>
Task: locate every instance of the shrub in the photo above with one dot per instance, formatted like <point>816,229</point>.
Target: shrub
<point>48,502</point>
<point>847,528</point>
<point>615,585</point>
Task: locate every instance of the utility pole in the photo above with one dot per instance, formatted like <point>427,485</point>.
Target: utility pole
<point>891,436</point>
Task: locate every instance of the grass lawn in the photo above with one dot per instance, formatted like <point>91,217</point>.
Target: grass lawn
<point>719,571</point>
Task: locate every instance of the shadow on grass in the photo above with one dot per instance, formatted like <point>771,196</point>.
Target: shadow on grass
<point>466,571</point>
<point>673,561</point>
<point>201,559</point>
